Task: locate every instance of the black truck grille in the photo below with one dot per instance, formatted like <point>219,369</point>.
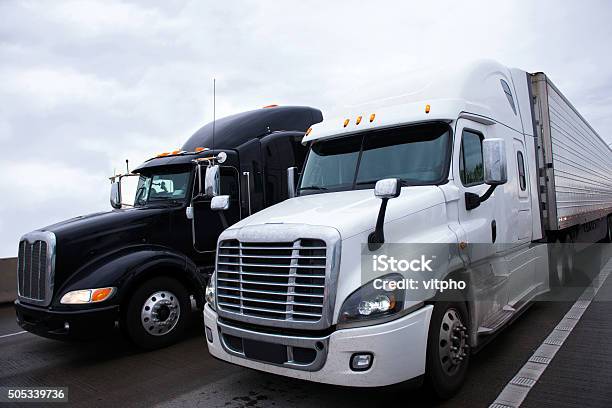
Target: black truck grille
<point>282,281</point>
<point>32,271</point>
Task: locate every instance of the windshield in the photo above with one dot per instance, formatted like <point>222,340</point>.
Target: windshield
<point>169,187</point>
<point>418,155</point>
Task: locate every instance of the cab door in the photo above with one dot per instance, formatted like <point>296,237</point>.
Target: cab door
<point>481,227</point>
<point>208,224</point>
<point>478,224</point>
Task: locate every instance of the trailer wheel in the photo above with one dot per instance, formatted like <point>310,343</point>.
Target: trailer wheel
<point>570,256</point>
<point>448,351</point>
<point>158,313</point>
<point>558,264</point>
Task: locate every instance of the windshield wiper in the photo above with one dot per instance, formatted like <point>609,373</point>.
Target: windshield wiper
<point>313,188</point>
<point>167,201</point>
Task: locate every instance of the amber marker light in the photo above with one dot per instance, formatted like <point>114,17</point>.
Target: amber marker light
<point>427,108</point>
<point>346,122</point>
<point>98,295</point>
<point>372,117</point>
<point>358,121</point>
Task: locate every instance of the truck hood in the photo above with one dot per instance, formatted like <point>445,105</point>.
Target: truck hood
<point>109,222</point>
<point>350,212</point>
<point>83,239</point>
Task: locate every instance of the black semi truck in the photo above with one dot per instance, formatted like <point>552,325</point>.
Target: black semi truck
<point>143,268</point>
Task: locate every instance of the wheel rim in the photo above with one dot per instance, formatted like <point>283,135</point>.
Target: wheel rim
<point>160,313</point>
<point>453,347</point>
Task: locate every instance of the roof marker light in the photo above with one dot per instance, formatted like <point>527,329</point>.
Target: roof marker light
<point>427,108</point>
<point>346,122</point>
<point>358,120</point>
<point>163,154</point>
<point>177,152</point>
<point>308,131</point>
<point>372,116</point>
<point>199,149</point>
<point>270,106</point>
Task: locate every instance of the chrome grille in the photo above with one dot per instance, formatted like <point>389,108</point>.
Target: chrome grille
<point>32,270</point>
<point>35,263</point>
<point>281,281</point>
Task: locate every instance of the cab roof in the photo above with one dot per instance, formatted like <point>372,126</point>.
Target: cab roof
<point>235,130</point>
<point>477,89</point>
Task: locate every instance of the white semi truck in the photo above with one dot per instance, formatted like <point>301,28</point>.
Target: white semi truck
<point>490,162</point>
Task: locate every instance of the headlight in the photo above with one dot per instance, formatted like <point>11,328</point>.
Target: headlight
<point>83,296</point>
<point>211,290</point>
<point>368,304</point>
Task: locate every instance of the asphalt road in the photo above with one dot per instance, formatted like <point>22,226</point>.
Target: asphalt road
<point>111,372</point>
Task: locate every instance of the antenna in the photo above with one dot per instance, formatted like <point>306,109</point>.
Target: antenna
<point>127,166</point>
<point>214,111</point>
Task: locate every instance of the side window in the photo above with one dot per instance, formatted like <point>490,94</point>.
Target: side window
<point>521,171</point>
<point>508,93</point>
<point>470,159</point>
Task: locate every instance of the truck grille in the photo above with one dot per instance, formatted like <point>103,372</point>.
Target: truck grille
<point>282,281</point>
<point>32,273</point>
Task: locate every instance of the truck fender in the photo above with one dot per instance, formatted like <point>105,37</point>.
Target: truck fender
<point>127,268</point>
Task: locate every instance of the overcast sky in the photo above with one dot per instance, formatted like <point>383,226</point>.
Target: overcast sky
<point>85,85</point>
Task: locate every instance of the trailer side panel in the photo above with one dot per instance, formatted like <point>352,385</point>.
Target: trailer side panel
<point>576,161</point>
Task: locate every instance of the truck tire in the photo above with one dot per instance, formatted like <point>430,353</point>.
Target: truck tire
<point>158,313</point>
<point>448,353</point>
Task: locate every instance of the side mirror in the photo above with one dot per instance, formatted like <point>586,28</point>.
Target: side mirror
<point>220,203</point>
<point>387,188</point>
<point>212,181</point>
<point>384,189</point>
<point>495,169</point>
<point>189,212</point>
<point>115,195</point>
<point>291,171</point>
<point>494,162</point>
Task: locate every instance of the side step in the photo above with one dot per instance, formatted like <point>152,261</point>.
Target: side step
<point>496,320</point>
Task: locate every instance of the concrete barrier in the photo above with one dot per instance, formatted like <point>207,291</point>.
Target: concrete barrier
<point>8,279</point>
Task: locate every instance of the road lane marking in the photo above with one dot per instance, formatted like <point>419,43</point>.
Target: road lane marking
<point>12,334</point>
<point>515,392</point>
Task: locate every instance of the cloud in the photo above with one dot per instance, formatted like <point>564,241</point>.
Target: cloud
<point>86,85</point>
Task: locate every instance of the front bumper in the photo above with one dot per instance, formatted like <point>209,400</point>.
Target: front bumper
<point>66,325</point>
<point>399,349</point>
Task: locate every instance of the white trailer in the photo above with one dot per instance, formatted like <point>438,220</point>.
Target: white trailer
<point>574,161</point>
<point>489,162</point>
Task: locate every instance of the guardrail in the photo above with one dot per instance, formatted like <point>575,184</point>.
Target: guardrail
<point>8,279</point>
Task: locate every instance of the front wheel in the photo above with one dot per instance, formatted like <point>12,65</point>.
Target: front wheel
<point>158,313</point>
<point>448,353</point>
